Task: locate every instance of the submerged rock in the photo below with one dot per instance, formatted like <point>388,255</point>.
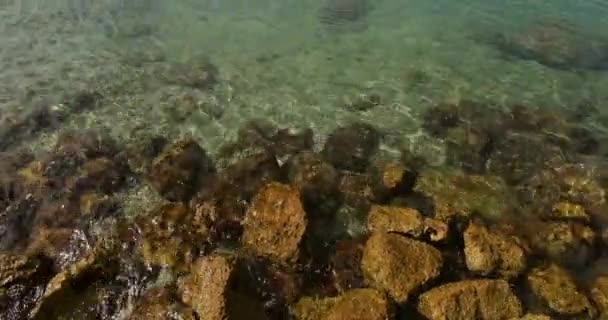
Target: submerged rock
<point>457,194</point>
<point>399,265</point>
<point>556,43</point>
<point>351,147</point>
<point>275,222</point>
<point>492,252</point>
<point>470,299</point>
<point>570,243</point>
<point>340,14</point>
<point>177,173</point>
<point>356,304</point>
<point>557,289</point>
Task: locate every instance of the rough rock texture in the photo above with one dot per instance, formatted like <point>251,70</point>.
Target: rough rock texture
<point>557,289</point>
<point>456,193</point>
<point>405,221</point>
<point>599,293</point>
<point>178,171</point>
<point>562,241</point>
<point>399,265</point>
<point>356,304</point>
<point>204,288</point>
<point>275,222</point>
<point>491,252</point>
<point>533,316</point>
<point>470,299</point>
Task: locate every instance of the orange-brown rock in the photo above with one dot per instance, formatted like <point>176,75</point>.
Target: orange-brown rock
<point>356,304</point>
<point>557,289</point>
<point>275,222</point>
<point>205,287</point>
<point>492,252</point>
<point>399,265</point>
<point>470,299</point>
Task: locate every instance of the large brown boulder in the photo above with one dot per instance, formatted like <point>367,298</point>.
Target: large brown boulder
<point>399,265</point>
<point>470,299</point>
<point>275,222</point>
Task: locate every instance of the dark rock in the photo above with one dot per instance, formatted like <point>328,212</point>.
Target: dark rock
<point>351,147</point>
<point>346,265</point>
<point>177,173</point>
<point>317,182</point>
<point>16,222</point>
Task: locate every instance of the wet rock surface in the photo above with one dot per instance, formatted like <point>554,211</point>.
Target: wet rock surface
<point>275,222</point>
<point>359,304</point>
<point>471,299</point>
<point>269,228</point>
<point>492,252</point>
<point>399,265</point>
<point>557,289</point>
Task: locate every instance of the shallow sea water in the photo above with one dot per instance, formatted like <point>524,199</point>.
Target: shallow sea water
<point>489,115</point>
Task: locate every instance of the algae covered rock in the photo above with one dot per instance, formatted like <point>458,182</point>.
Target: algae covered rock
<point>457,194</point>
<point>556,43</point>
<point>275,222</point>
<point>399,265</point>
<point>351,147</point>
<point>315,178</point>
<point>470,299</point>
<point>179,170</point>
<point>356,304</point>
<point>569,242</point>
<point>171,236</point>
<point>492,252</point>
<point>558,291</point>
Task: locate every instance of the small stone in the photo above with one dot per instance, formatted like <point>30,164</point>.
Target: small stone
<point>351,147</point>
<point>599,294</point>
<point>406,221</point>
<point>356,304</point>
<point>346,264</point>
<point>470,299</point>
<point>177,173</point>
<point>556,288</point>
<point>399,265</point>
<point>490,252</point>
<point>275,222</point>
